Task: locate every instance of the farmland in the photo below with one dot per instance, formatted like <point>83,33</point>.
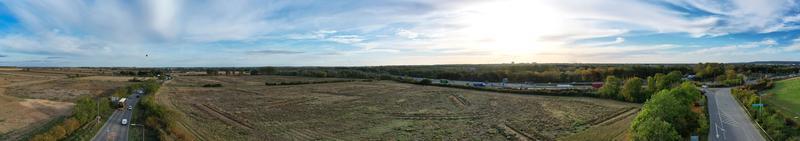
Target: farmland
<point>33,99</point>
<point>244,108</point>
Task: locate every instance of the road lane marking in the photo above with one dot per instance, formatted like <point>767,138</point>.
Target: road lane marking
<point>716,127</point>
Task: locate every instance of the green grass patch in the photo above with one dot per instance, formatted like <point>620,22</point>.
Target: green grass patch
<point>135,132</point>
<point>786,96</point>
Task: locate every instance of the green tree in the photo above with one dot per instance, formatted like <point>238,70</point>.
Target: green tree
<point>651,87</point>
<point>686,93</point>
<point>667,106</point>
<point>425,81</point>
<point>654,129</point>
<point>610,87</point>
<point>632,90</point>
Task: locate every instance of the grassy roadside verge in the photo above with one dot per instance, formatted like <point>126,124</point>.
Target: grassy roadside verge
<point>139,132</point>
<point>784,96</point>
<point>772,118</point>
<point>159,118</point>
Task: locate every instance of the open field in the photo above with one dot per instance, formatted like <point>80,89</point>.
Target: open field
<point>73,71</point>
<point>29,100</point>
<point>785,95</point>
<point>247,80</point>
<point>68,90</point>
<point>245,109</point>
<point>19,116</point>
<point>615,129</point>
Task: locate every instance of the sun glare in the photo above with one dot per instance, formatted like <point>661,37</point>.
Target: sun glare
<point>512,27</point>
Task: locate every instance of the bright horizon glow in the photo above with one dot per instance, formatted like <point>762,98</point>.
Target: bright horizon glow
<point>180,33</point>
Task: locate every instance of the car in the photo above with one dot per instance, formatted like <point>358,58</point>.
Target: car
<point>124,121</point>
<point>130,107</point>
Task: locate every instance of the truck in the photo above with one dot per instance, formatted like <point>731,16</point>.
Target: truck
<point>122,102</point>
<point>563,86</point>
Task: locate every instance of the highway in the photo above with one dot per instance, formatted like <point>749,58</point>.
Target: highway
<point>509,85</point>
<point>113,130</point>
<point>729,122</point>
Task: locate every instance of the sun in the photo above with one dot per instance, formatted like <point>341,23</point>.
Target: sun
<point>512,27</point>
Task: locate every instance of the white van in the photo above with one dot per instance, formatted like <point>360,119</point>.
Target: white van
<point>124,121</point>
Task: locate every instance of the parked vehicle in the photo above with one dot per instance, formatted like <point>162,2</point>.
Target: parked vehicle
<point>479,84</point>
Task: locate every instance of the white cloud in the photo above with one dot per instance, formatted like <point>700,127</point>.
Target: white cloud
<point>346,39</point>
<point>148,21</point>
<point>762,16</point>
<point>407,34</point>
<point>618,40</point>
<point>750,47</point>
<point>484,29</point>
<point>317,35</point>
<point>768,42</point>
<point>52,44</point>
<point>794,46</point>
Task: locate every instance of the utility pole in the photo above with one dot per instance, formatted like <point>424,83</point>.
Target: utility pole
<point>97,103</point>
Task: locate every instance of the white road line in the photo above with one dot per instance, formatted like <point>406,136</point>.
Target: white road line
<point>716,127</point>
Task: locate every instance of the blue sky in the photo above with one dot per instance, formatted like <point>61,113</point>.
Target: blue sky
<point>183,33</point>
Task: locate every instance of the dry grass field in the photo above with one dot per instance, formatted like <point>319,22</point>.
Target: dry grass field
<point>245,109</point>
<point>30,99</point>
<point>17,115</point>
<point>68,90</point>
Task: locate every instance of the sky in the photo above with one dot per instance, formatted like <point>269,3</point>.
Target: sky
<point>241,33</point>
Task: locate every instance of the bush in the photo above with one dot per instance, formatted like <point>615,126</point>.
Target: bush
<point>135,80</point>
<point>212,85</point>
<point>425,82</point>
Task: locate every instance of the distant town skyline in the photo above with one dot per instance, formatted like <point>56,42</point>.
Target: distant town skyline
<point>183,33</point>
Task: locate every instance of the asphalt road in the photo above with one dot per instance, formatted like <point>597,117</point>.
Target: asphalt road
<point>729,122</point>
<point>509,85</point>
<point>113,130</point>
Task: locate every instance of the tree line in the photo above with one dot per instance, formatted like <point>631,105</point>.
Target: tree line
<point>536,73</point>
<point>725,75</point>
<point>635,89</point>
<point>160,118</point>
